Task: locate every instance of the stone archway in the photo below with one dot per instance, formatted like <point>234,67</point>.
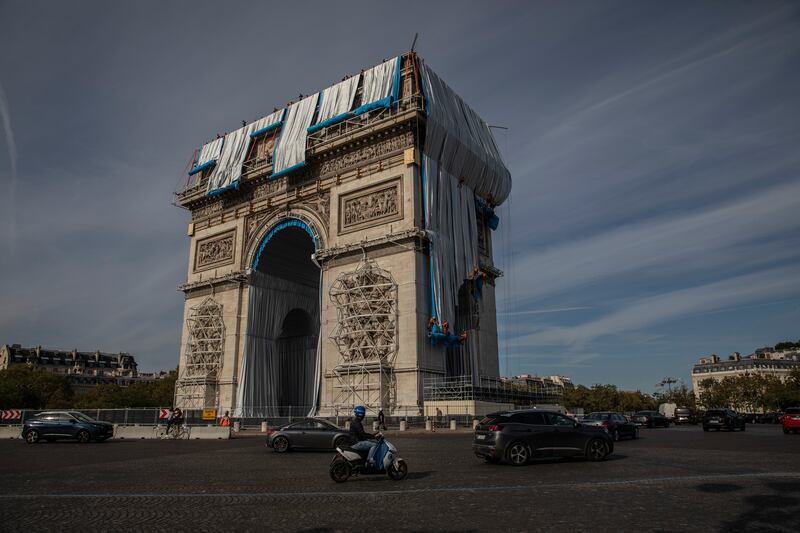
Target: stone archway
<point>280,369</point>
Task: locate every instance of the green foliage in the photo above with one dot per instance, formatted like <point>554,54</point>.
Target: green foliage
<point>607,398</point>
<point>682,396</point>
<point>24,387</point>
<point>787,345</point>
<point>158,394</point>
<point>751,392</point>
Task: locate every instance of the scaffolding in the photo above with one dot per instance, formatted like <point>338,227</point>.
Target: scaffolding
<point>521,393</point>
<point>197,384</point>
<point>365,336</point>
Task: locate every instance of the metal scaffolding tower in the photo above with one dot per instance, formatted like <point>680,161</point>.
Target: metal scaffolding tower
<point>196,387</point>
<point>366,336</point>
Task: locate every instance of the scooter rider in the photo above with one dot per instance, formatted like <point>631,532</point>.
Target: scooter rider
<point>363,440</point>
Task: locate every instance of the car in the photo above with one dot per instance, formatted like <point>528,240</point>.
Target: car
<point>517,437</point>
<point>723,419</point>
<point>775,417</point>
<point>791,420</point>
<point>617,425</point>
<point>650,419</point>
<point>53,425</point>
<point>684,416</point>
<point>309,434</point>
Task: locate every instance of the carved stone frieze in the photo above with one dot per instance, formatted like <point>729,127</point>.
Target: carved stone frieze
<point>379,203</point>
<point>215,251</point>
<point>269,188</point>
<point>207,210</point>
<point>368,152</point>
<point>319,204</point>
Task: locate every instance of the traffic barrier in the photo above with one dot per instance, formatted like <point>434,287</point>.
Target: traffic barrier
<point>135,432</point>
<point>209,432</point>
<point>402,425</point>
<point>10,432</point>
<point>264,427</point>
<point>474,423</point>
<point>453,425</point>
<point>428,425</point>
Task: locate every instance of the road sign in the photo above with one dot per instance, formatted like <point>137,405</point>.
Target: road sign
<point>209,414</point>
<point>11,414</point>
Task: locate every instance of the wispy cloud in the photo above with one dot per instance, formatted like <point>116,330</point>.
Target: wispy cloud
<point>644,312</point>
<point>705,240</point>
<point>544,311</point>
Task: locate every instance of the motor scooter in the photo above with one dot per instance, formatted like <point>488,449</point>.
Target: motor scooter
<point>349,462</point>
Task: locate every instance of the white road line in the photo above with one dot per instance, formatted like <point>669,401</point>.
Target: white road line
<point>494,488</point>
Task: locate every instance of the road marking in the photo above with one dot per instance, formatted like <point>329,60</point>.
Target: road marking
<point>494,488</point>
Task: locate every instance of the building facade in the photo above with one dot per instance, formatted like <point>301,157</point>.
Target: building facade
<point>318,285</point>
<point>764,361</point>
<point>85,370</point>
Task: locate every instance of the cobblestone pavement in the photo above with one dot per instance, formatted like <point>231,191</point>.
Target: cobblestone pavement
<point>676,479</point>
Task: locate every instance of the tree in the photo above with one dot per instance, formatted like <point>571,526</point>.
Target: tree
<point>157,394</point>
<point>787,345</point>
<point>607,398</point>
<point>25,387</point>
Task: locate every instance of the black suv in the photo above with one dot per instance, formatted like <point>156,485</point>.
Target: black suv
<point>722,418</point>
<point>518,436</point>
<point>650,419</point>
<point>684,416</point>
<point>52,425</point>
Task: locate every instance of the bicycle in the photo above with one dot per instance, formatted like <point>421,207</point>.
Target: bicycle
<point>176,431</point>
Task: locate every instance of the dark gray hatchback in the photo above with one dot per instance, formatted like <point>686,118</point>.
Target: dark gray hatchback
<point>518,436</point>
<point>52,425</point>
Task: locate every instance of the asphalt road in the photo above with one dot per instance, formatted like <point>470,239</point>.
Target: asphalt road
<point>676,479</point>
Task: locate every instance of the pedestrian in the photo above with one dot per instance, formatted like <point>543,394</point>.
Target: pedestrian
<point>381,421</point>
<point>225,421</point>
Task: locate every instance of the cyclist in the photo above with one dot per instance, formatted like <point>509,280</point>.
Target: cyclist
<point>175,418</point>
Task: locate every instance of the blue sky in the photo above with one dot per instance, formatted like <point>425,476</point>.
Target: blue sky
<point>655,215</point>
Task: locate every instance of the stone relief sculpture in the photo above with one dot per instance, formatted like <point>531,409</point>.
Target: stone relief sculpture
<point>215,251</point>
<point>365,207</point>
<point>366,153</point>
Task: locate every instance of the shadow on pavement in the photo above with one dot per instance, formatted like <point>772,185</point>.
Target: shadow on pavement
<point>776,511</point>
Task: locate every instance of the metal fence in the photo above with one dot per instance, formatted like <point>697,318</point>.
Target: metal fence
<point>194,417</point>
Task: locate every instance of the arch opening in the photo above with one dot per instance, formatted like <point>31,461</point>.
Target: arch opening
<point>280,369</point>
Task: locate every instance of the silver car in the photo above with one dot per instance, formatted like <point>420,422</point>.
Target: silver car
<point>310,434</point>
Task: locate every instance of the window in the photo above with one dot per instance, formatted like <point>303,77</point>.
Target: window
<point>262,146</point>
<point>560,420</point>
<point>529,418</point>
<point>305,424</point>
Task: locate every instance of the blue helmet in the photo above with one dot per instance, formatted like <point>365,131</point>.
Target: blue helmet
<point>360,411</point>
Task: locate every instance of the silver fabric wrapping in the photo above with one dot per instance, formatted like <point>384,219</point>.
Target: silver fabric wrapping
<point>451,224</point>
<point>378,81</point>
<point>228,169</point>
<point>290,150</point>
<point>464,142</point>
<point>265,367</point>
<point>338,99</point>
<point>460,160</point>
<point>209,152</point>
